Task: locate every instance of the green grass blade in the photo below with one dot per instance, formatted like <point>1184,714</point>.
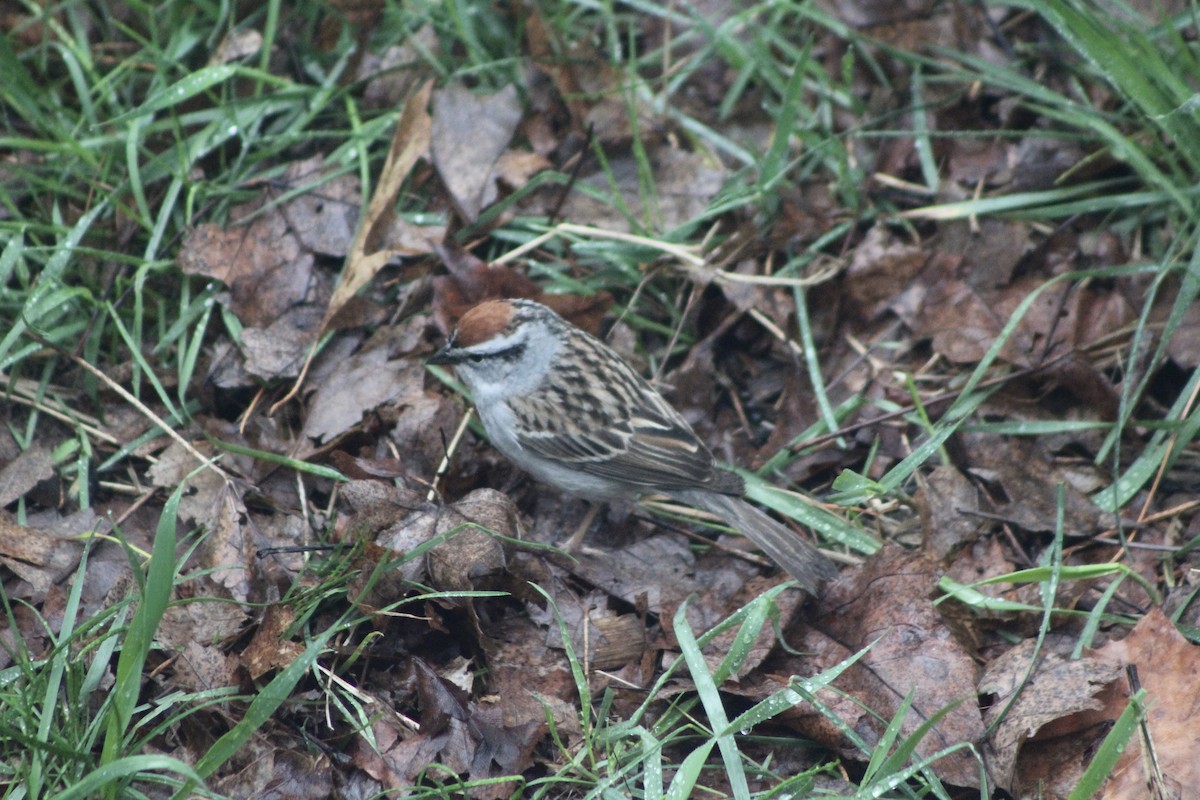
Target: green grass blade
<point>156,593</point>
<point>710,698</point>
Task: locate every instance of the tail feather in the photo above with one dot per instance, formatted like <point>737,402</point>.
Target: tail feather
<point>785,547</point>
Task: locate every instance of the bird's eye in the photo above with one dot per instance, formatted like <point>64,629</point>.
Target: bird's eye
<point>475,358</point>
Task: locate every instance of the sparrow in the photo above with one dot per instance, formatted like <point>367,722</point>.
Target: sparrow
<point>566,408</point>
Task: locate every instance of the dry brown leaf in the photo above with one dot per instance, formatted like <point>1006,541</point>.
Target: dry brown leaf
<point>324,217</point>
<point>470,132</point>
<point>1051,701</point>
<point>528,678</point>
<point>514,168</point>
<point>472,558</point>
<point>278,766</point>
<point>882,265</point>
<point>356,386</point>
<point>372,249</point>
<point>31,466</point>
<point>269,650</point>
<point>201,667</point>
<point>38,557</point>
<point>236,44</point>
<point>464,736</point>
<point>1168,666</point>
<point>400,521</point>
<point>391,75</point>
<point>228,551</point>
<point>655,573</point>
<point>278,349</point>
<point>913,652</point>
<point>602,638</point>
<point>1022,481</point>
<point>262,263</point>
<point>946,500</point>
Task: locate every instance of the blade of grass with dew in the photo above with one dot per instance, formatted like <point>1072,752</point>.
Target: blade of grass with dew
<point>139,638</point>
<point>121,771</point>
<point>1161,449</point>
<point>55,694</point>
<point>736,618</point>
<point>808,352</point>
<point>1049,592</point>
<point>710,698</point>
<point>758,611</point>
<point>1114,744</point>
<point>788,698</point>
<point>1160,334</point>
<point>319,470</point>
<point>1096,617</point>
<point>880,761</point>
<point>972,598</point>
<point>690,769</point>
<point>1132,64</point>
<point>582,687</point>
<point>828,525</point>
<point>1084,572</point>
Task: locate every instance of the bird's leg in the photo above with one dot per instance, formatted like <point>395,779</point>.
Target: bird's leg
<point>573,544</point>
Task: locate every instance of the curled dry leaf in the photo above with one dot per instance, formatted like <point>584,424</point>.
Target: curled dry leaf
<point>472,558</point>
<point>603,638</point>
<point>372,249</point>
<point>1039,702</point>
<point>400,521</point>
<point>36,556</point>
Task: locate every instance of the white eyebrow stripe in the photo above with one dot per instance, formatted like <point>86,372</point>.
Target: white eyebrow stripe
<point>497,344</point>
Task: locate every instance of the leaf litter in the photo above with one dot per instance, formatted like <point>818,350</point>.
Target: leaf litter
<point>466,669</point>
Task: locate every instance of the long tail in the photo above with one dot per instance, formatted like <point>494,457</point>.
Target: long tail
<point>785,547</point>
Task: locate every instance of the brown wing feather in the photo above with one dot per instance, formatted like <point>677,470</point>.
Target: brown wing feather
<point>652,461</point>
<point>656,450</point>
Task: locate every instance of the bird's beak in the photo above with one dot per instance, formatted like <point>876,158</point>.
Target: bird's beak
<point>442,357</point>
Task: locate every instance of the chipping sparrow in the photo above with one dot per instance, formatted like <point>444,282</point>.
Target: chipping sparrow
<point>563,406</point>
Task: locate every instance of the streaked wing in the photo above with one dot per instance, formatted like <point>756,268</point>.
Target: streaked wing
<point>652,457</point>
<point>653,450</point>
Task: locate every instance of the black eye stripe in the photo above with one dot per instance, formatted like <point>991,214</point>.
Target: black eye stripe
<point>511,353</point>
<point>507,354</point>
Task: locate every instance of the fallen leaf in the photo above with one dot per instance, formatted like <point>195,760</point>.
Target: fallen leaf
<point>1039,701</point>
<point>913,652</point>
<point>946,501</point>
<point>1168,666</point>
<point>470,133</point>
<point>36,556</point>
<point>372,250</point>
<point>269,650</point>
<point>31,466</point>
